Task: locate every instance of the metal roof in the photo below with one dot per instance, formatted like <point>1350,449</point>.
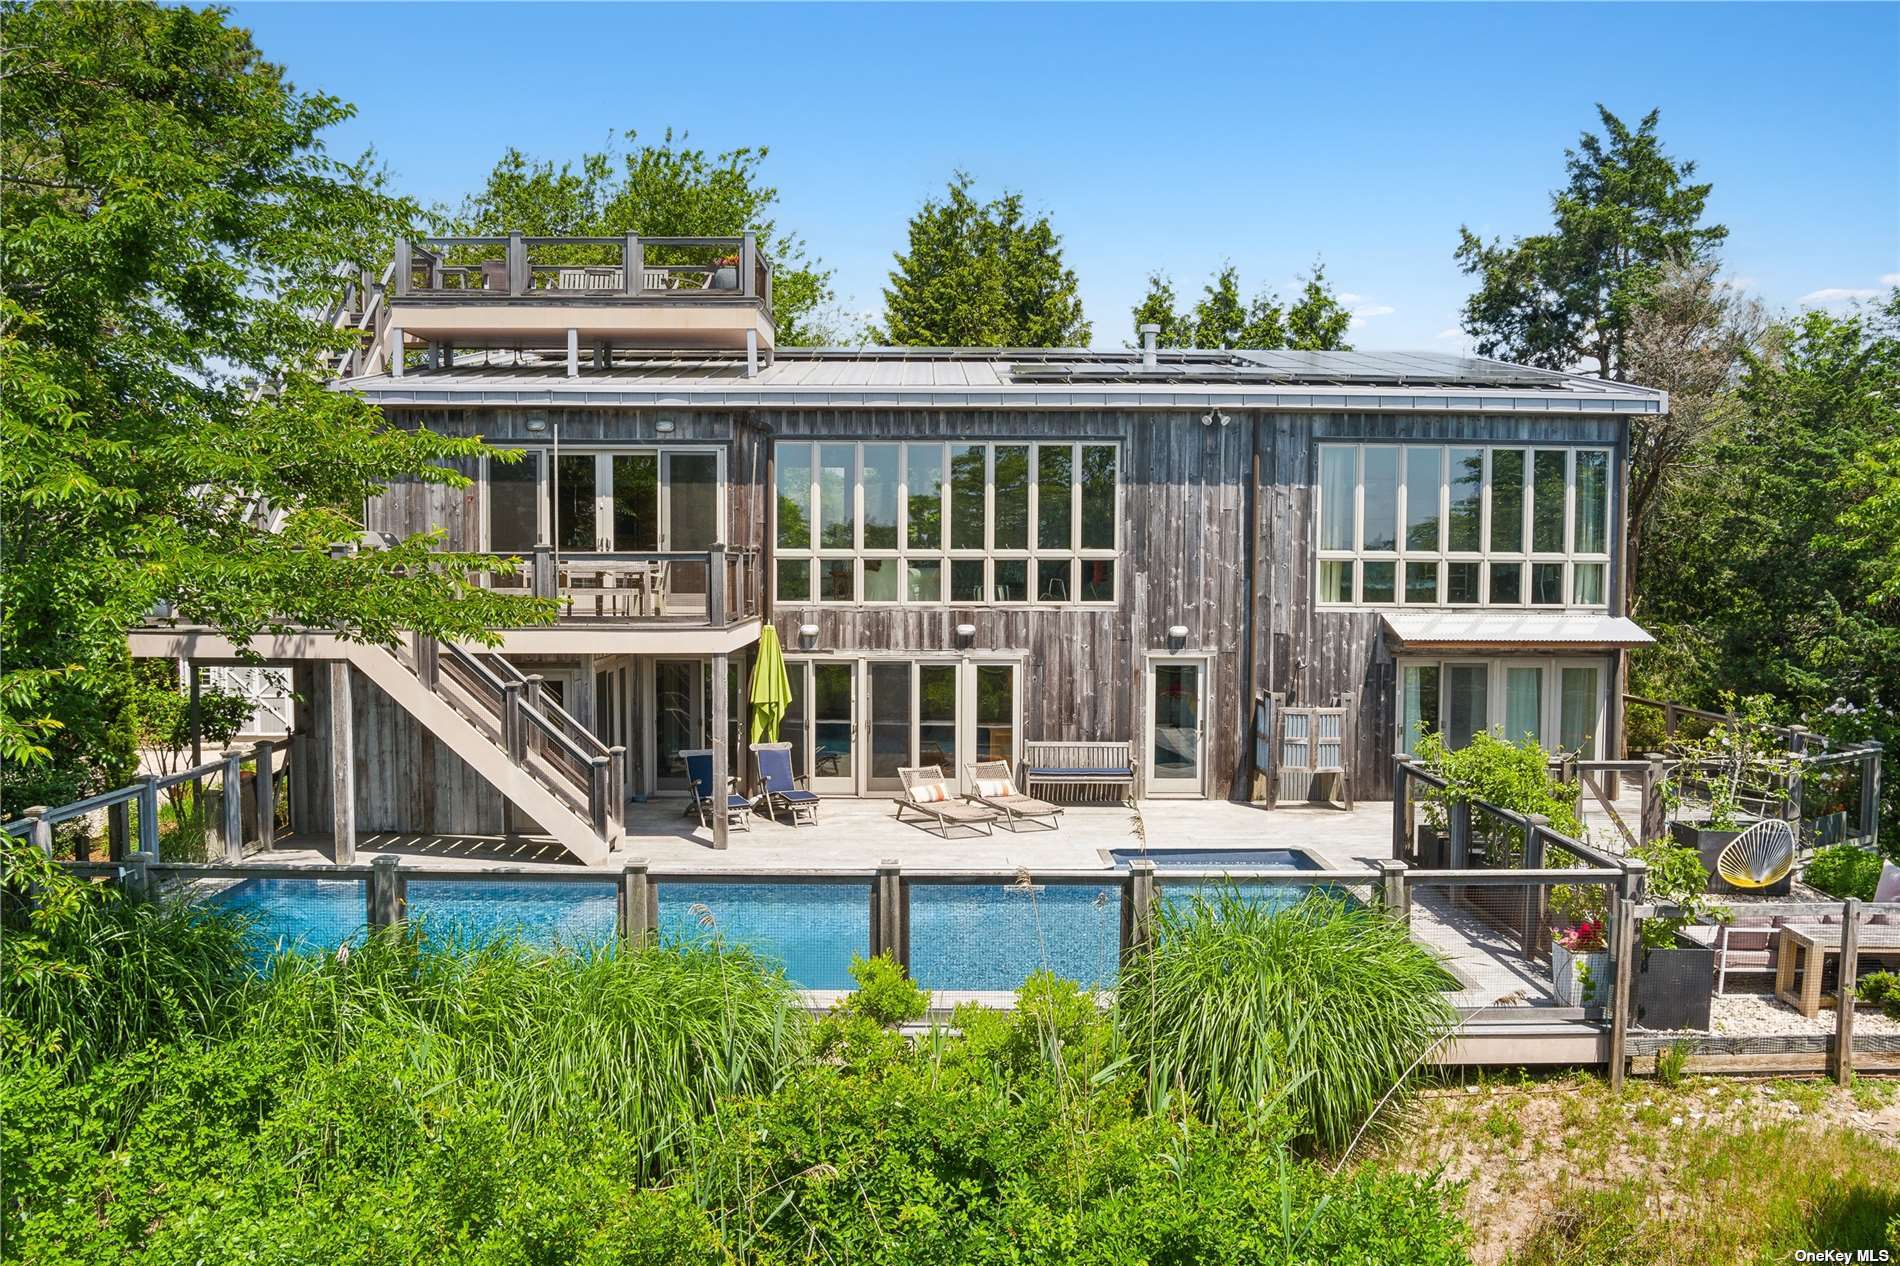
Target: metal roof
<point>1513,628</point>
<point>1021,378</point>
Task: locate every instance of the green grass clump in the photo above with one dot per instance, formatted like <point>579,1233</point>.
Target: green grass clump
<point>1845,870</point>
<point>86,974</point>
<point>1237,1004</point>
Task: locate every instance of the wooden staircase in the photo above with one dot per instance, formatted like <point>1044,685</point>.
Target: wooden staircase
<point>543,762</point>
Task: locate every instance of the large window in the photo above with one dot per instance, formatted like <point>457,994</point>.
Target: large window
<point>1439,525</point>
<point>1557,704</point>
<point>929,522</point>
<point>619,501</point>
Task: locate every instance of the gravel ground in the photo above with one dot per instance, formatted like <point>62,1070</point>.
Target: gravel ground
<point>1762,1014</point>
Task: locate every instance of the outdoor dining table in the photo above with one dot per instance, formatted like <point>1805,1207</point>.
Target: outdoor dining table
<point>1804,951</point>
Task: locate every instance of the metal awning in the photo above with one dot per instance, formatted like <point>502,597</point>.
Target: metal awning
<point>1416,630</point>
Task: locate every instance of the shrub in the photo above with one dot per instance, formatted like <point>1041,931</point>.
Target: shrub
<point>86,973</point>
<point>1514,776</point>
<point>1880,989</point>
<point>885,995</point>
<point>1677,878</point>
<point>1238,1004</point>
<point>1845,870</point>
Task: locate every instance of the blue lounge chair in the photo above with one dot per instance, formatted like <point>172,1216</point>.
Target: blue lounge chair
<point>780,787</point>
<point>699,770</point>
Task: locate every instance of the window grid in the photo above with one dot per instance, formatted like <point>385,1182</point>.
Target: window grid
<point>924,574</point>
<point>1352,575</point>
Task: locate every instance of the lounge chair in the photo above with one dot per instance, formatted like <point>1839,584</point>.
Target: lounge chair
<point>926,795</point>
<point>992,787</point>
<point>780,788</point>
<point>700,772</point>
<point>1758,857</point>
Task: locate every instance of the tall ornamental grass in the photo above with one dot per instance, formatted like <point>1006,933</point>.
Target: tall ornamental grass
<point>646,1039</point>
<point>86,974</point>
<point>1323,1004</point>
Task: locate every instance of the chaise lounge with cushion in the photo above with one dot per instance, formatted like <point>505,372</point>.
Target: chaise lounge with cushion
<point>927,795</point>
<point>992,787</point>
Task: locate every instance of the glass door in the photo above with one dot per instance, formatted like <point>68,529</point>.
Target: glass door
<point>889,724</point>
<point>833,723</point>
<point>993,710</point>
<point>1580,709</point>
<point>681,716</point>
<point>1175,731</point>
<point>636,502</point>
<point>937,718</point>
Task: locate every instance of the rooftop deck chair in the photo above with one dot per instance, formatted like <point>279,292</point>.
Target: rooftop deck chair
<point>780,788</point>
<point>1760,856</point>
<point>926,795</point>
<point>699,771</point>
<point>992,787</point>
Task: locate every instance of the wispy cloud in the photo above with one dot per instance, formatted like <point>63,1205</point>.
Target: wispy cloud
<point>1890,279</point>
<point>1363,309</point>
<point>1836,294</point>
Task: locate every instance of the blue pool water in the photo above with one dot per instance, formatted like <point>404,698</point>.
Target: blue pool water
<point>1216,858</point>
<point>962,936</point>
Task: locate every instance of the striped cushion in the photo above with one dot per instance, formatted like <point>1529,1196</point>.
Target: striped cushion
<point>929,793</point>
<point>994,788</point>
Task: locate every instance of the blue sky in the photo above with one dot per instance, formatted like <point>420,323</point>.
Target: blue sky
<point>1168,137</point>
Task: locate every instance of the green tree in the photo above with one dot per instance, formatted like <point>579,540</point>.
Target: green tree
<point>1768,572</point>
<point>669,189</point>
<point>170,231</point>
<point>1222,320</point>
<point>981,274</point>
<point>1556,299</point>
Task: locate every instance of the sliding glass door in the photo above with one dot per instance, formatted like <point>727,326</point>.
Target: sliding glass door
<point>1561,705</point>
<point>625,502</point>
<point>853,724</point>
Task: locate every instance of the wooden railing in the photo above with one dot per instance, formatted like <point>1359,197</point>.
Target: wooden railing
<point>716,587</point>
<point>627,266</point>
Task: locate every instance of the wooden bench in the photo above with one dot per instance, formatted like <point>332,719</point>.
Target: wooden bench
<point>1080,767</point>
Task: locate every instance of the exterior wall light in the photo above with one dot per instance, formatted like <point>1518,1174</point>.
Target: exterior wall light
<point>966,633</point>
<point>1177,636</point>
<point>807,635</point>
<point>535,423</point>
<point>664,426</point>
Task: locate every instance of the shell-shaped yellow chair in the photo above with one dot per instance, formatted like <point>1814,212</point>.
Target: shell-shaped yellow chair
<point>1760,856</point>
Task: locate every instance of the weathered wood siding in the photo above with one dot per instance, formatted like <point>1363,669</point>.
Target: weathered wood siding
<point>1184,530</point>
<point>1181,531</point>
<point>406,781</point>
<point>1313,655</point>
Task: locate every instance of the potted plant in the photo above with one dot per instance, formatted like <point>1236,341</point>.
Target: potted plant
<point>1580,965</point>
<point>726,273</point>
<point>1673,980</point>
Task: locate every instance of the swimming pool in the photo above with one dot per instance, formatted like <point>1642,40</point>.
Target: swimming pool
<point>964,937</point>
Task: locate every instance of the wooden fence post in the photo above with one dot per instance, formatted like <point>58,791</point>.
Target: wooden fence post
<point>387,892</point>
<point>1844,992</point>
<point>148,815</point>
<point>1458,829</point>
<point>135,881</point>
<point>266,784</point>
<point>1870,793</point>
<point>1622,951</point>
<point>234,805</point>
<point>1402,808</point>
<point>41,832</point>
<point>890,917</point>
<point>1395,894</point>
<point>1655,808</point>
<point>1138,897</point>
<point>1536,922</point>
<point>638,904</point>
<point>118,830</point>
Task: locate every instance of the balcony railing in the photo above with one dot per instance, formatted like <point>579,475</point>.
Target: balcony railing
<point>585,268</point>
<point>713,588</point>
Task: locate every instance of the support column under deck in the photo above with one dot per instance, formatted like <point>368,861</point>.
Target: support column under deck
<point>342,765</point>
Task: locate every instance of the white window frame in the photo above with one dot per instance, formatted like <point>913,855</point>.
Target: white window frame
<point>1569,559</point>
<point>945,555</point>
<point>1550,705</point>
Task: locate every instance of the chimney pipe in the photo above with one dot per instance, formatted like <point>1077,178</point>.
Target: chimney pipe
<point>1149,333</point>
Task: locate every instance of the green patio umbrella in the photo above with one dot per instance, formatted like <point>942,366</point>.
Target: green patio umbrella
<point>771,691</point>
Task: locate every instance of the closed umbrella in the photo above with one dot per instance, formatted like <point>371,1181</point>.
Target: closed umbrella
<point>771,691</point>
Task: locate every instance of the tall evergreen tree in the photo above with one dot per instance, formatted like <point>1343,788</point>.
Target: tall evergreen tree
<point>1559,298</point>
<point>1221,320</point>
<point>980,274</point>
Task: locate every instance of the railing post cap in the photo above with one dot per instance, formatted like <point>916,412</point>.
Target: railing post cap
<point>1537,819</point>
<point>385,861</point>
<point>1142,863</point>
<point>1635,865</point>
<point>1389,864</point>
<point>888,863</point>
<point>633,865</point>
<point>36,811</point>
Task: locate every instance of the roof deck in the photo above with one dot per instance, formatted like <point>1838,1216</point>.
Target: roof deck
<point>567,295</point>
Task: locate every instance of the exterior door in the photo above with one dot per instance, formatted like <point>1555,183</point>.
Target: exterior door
<point>681,713</point>
<point>1177,730</point>
<point>833,721</point>
<point>887,724</point>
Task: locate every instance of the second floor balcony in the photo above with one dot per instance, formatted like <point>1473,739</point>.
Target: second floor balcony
<point>716,588</point>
